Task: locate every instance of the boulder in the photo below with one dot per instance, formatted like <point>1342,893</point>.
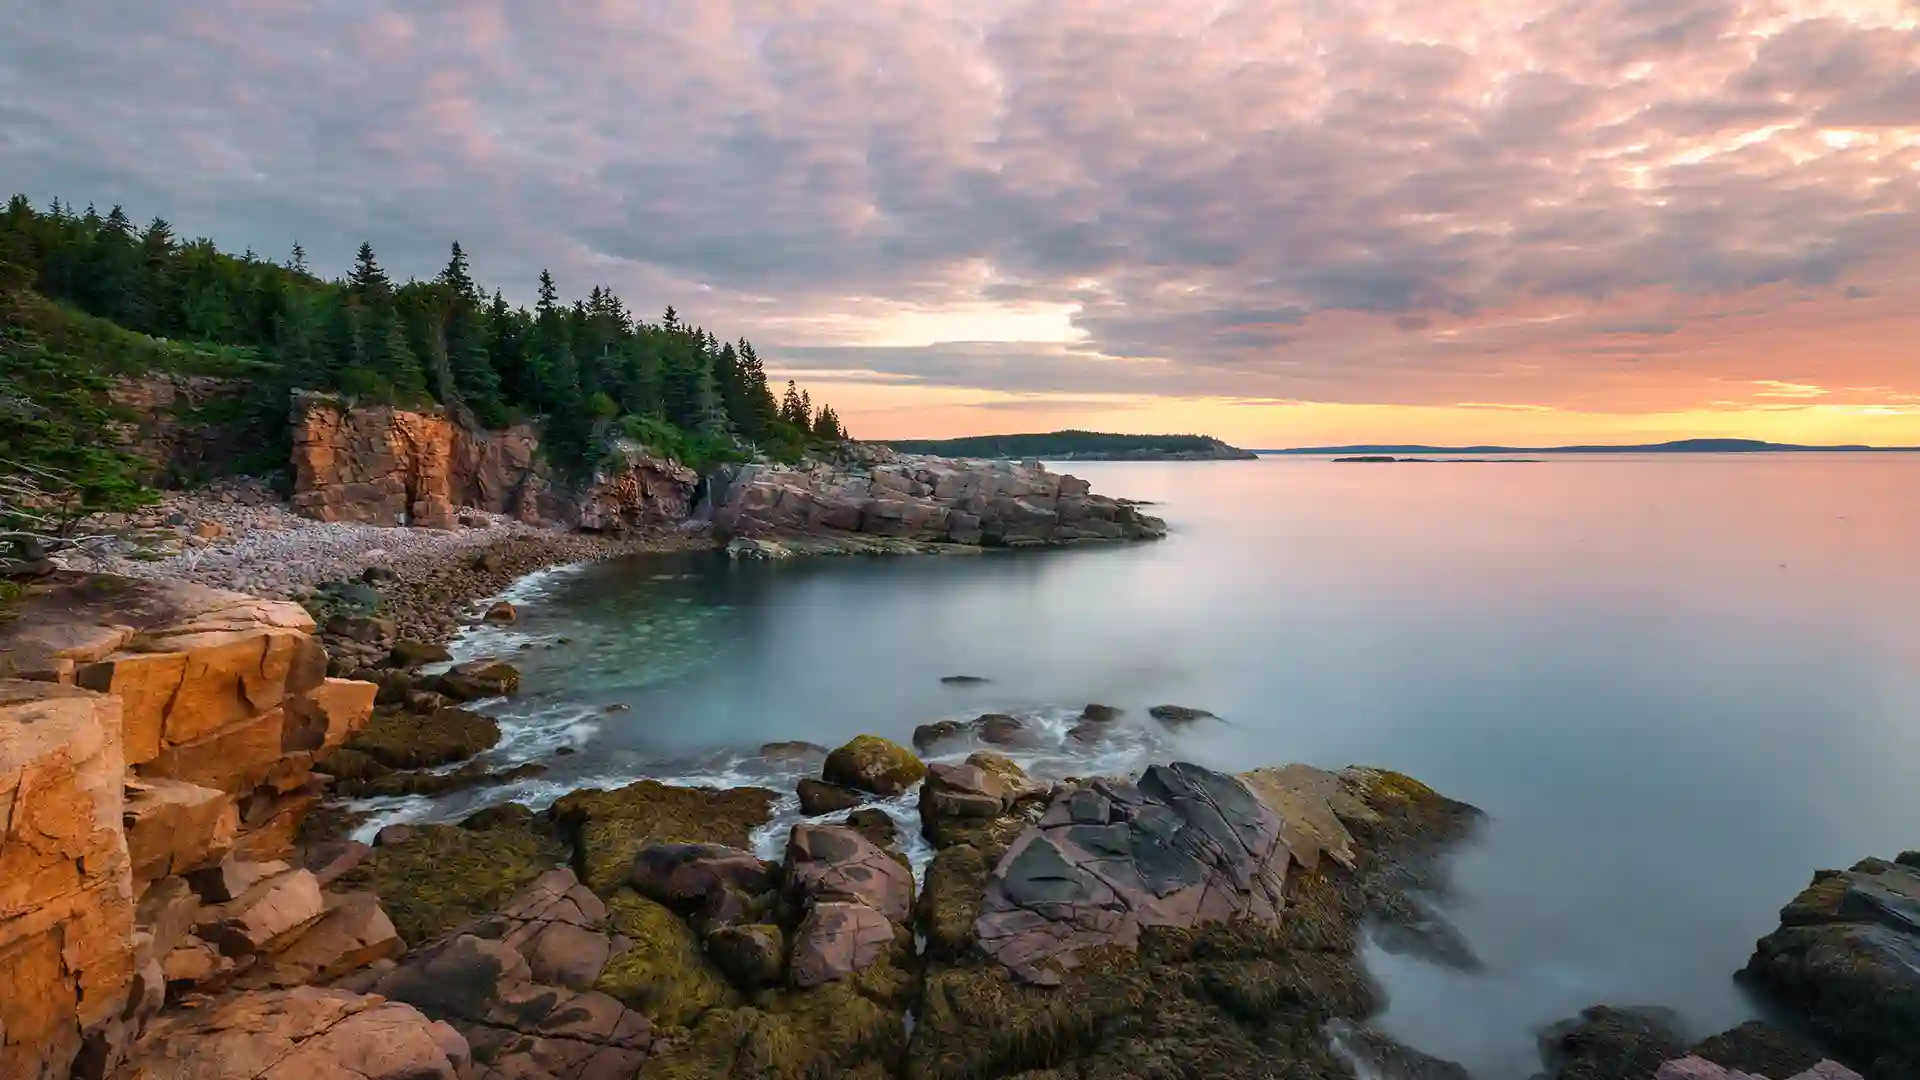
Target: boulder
<point>928,736</point>
<point>1608,1043</point>
<point>353,932</point>
<point>1183,846</point>
<point>329,859</point>
<point>407,741</point>
<point>963,680</point>
<point>269,915</point>
<point>819,797</point>
<point>478,679</point>
<point>611,827</point>
<point>175,827</point>
<point>662,973</point>
<point>795,751</point>
<point>1178,715</point>
<point>409,653</point>
<point>559,927</point>
<point>835,863</point>
<point>501,612</point>
<point>837,939</point>
<point>365,629</point>
<point>1099,714</point>
<point>1697,1068</point>
<point>683,876</point>
<point>1760,1048</point>
<point>1846,958</point>
<point>297,1034</point>
<point>231,879</point>
<point>751,955</point>
<point>870,763</point>
<point>876,825</point>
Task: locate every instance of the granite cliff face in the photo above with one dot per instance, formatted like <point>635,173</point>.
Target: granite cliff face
<point>876,499</point>
<point>157,744</point>
<point>386,466</point>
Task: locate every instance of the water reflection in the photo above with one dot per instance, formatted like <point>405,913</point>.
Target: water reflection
<point>1678,685</point>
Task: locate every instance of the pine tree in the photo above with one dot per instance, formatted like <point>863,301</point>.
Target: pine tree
<point>397,363</point>
<point>792,408</point>
<point>297,261</point>
<point>366,279</point>
<point>548,294</point>
<point>455,276</point>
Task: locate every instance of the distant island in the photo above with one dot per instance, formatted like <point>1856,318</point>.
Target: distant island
<point>1388,459</point>
<point>1078,446</point>
<point>1378,451</point>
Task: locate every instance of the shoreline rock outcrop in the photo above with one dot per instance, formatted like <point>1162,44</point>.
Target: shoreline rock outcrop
<point>153,734</point>
<point>878,501</point>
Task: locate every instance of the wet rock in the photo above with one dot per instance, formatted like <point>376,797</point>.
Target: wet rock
<point>298,1033</point>
<point>837,939</point>
<point>1000,729</point>
<point>410,653</point>
<point>1696,1068</point>
<point>1183,846</point>
<point>819,797</point>
<point>406,741</point>
<point>928,736</point>
<point>1387,1058</point>
<point>683,876</point>
<point>964,680</point>
<point>794,751</point>
<point>1760,1048</point>
<point>611,827</point>
<point>366,629</point>
<point>1178,715</point>
<point>478,679</point>
<point>504,816</point>
<point>870,763</point>
<point>1099,714</point>
<point>1607,1043</point>
<point>876,825</point>
<point>750,955</point>
<point>1847,959</point>
<point>501,612</point>
<point>834,863</point>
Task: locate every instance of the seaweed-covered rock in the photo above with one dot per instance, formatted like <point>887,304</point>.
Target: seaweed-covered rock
<point>477,679</point>
<point>837,939</point>
<point>441,877</point>
<point>611,827</point>
<point>406,741</point>
<point>663,973</point>
<point>1760,1048</point>
<point>870,763</point>
<point>1847,959</point>
<point>1694,1067</point>
<point>1607,1043</point>
<point>409,653</point>
<point>751,955</point>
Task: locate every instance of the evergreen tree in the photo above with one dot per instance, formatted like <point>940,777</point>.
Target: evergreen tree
<point>793,409</point>
<point>367,280</point>
<point>297,261</point>
<point>456,277</point>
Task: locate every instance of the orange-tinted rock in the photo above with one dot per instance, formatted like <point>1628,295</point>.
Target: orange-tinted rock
<point>175,827</point>
<point>337,707</point>
<point>66,892</point>
<point>353,933</point>
<point>301,1034</point>
<point>268,916</point>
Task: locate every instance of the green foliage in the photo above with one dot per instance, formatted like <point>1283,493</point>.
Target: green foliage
<point>121,299</point>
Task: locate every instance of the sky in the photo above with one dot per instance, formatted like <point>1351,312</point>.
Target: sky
<point>1282,222</point>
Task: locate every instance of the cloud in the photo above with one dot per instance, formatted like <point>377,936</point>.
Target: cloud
<point>1553,201</point>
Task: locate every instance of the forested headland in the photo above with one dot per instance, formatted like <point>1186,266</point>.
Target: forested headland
<point>85,297</point>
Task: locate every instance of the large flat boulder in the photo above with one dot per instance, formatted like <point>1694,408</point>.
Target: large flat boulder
<point>306,1033</point>
<point>1183,846</point>
<point>610,828</point>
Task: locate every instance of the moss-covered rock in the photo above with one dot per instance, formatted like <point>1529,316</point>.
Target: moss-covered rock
<point>406,741</point>
<point>872,764</point>
<point>610,827</point>
<point>852,1028</point>
<point>409,653</point>
<point>443,876</point>
<point>479,679</point>
<point>663,974</point>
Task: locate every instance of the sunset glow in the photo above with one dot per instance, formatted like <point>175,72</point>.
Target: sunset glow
<point>1276,221</point>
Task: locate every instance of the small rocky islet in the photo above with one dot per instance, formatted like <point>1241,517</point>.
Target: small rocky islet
<point>179,898</point>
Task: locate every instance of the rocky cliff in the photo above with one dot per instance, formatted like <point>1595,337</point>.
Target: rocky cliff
<point>157,743</point>
<point>385,466</point>
<point>878,497</point>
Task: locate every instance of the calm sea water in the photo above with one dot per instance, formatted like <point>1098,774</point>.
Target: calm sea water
<point>1677,684</point>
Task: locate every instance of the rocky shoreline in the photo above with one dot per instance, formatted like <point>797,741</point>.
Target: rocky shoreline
<point>1180,922</point>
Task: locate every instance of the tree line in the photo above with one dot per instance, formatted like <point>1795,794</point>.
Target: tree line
<point>585,369</point>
